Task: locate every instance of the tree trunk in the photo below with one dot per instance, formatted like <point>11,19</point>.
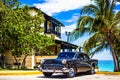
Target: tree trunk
<point>2,62</point>
<point>16,61</point>
<point>24,62</point>
<point>113,50</point>
<point>115,59</point>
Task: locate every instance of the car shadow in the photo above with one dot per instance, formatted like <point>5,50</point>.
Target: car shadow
<point>63,76</point>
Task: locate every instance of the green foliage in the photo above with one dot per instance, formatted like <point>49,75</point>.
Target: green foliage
<point>20,31</point>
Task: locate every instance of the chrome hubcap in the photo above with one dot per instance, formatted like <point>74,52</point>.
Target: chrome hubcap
<point>72,72</point>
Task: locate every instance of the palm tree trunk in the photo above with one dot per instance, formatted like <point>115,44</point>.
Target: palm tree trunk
<point>115,59</point>
<point>113,50</point>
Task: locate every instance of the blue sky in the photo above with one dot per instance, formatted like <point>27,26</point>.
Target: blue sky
<point>67,12</point>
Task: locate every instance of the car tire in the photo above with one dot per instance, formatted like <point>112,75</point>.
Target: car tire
<point>92,71</point>
<point>47,74</point>
<point>72,72</point>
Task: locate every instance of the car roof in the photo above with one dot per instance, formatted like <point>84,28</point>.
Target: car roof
<point>76,53</point>
<point>68,52</point>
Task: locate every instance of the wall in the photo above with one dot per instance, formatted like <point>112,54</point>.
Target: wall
<point>9,60</point>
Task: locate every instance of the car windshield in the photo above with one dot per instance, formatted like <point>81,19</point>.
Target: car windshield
<point>66,55</point>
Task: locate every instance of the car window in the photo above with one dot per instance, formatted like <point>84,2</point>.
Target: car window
<point>86,57</point>
<point>81,57</point>
<point>66,55</point>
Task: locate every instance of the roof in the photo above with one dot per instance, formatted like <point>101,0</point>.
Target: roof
<point>49,17</point>
<point>66,44</point>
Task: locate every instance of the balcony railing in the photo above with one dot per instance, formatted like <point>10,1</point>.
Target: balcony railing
<point>50,31</point>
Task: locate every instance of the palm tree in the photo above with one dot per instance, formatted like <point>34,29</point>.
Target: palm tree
<point>103,23</point>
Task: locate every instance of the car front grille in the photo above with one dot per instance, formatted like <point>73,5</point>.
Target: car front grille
<point>53,67</point>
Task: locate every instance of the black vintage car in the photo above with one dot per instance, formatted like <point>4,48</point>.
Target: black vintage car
<point>68,63</point>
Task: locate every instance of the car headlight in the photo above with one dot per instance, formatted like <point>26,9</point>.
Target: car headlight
<point>42,61</point>
<point>64,61</point>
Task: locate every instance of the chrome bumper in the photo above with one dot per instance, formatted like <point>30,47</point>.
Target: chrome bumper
<point>63,70</point>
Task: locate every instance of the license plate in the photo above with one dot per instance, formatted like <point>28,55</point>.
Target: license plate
<point>50,70</point>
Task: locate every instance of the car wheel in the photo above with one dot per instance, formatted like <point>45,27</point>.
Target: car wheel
<point>92,71</point>
<point>47,74</point>
<point>72,72</point>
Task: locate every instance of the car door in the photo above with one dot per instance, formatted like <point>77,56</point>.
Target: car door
<point>82,66</point>
<point>86,61</point>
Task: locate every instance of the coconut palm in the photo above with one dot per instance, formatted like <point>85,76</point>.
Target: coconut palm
<point>103,23</point>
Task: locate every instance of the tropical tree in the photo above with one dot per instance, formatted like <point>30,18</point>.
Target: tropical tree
<point>103,24</point>
<point>20,31</point>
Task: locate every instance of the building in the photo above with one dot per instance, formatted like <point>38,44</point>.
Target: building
<point>51,27</point>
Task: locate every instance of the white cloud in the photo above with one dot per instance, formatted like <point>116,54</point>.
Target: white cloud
<point>74,18</point>
<point>55,6</point>
<point>118,3</point>
<point>69,28</point>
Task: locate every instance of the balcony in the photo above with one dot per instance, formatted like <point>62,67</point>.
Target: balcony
<point>50,31</point>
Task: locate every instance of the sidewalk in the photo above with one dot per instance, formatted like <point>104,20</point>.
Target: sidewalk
<point>14,72</point>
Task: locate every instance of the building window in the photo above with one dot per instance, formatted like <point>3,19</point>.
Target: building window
<point>49,25</point>
<point>57,29</point>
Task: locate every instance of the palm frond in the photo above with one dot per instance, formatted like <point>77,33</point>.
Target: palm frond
<point>91,42</point>
<point>76,33</point>
<point>97,49</point>
<point>89,10</point>
<point>115,25</point>
<point>117,16</point>
<point>82,27</point>
<point>84,21</point>
<point>108,8</point>
<point>97,24</point>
